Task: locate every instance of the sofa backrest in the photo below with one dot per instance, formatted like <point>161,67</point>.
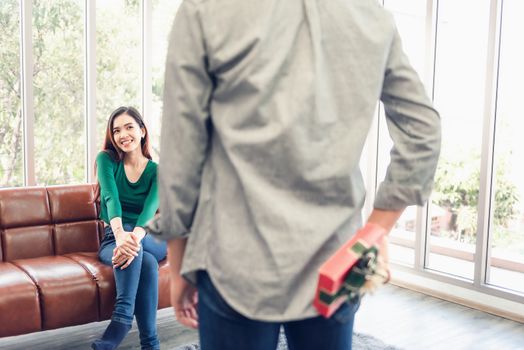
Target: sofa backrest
<point>44,221</point>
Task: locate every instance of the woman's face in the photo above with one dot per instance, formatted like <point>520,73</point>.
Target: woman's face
<point>127,133</point>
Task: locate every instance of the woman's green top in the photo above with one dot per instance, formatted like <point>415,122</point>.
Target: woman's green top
<point>135,202</point>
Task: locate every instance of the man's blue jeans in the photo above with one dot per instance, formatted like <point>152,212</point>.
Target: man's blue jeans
<point>137,286</point>
<point>222,328</point>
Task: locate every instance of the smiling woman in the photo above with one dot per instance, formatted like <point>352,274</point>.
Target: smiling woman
<point>127,179</point>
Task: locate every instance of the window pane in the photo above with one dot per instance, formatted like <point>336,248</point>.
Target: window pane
<point>163,15</point>
<point>460,75</point>
<point>118,56</point>
<point>11,128</point>
<point>59,91</point>
<point>507,229</point>
<point>410,17</point>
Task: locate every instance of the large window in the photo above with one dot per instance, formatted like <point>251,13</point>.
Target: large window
<point>472,202</point>
<point>58,82</point>
<point>507,225</point>
<point>11,123</point>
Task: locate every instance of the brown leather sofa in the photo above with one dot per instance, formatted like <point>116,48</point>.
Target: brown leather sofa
<point>50,276</point>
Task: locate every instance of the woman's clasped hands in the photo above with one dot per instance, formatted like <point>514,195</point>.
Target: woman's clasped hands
<point>127,248</point>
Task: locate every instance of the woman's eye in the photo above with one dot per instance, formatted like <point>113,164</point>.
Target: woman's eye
<point>130,127</point>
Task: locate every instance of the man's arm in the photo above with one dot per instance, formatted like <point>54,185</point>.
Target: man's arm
<point>183,148</point>
<point>414,126</point>
<point>185,123</point>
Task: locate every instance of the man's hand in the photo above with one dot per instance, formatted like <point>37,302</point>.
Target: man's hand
<point>387,220</point>
<point>380,273</point>
<point>184,299</point>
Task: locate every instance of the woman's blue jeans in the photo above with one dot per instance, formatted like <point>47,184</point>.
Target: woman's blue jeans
<point>222,328</point>
<point>136,285</point>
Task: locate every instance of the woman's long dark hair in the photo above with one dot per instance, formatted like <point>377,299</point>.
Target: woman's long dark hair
<point>110,146</point>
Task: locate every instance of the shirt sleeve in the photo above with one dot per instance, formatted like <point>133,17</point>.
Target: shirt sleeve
<point>108,189</point>
<point>185,124</point>
<point>150,204</point>
<point>414,126</point>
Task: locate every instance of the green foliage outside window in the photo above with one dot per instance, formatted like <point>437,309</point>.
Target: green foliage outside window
<point>118,59</point>
<point>58,88</point>
<point>11,141</point>
<point>457,190</point>
<point>58,83</point>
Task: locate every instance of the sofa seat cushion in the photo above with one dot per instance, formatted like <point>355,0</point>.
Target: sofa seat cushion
<point>20,309</point>
<point>105,281</point>
<point>103,275</point>
<point>68,293</point>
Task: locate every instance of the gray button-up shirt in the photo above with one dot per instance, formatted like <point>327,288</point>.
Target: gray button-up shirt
<point>266,109</point>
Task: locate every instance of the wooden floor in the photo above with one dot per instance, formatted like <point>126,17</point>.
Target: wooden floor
<point>415,321</point>
<point>397,316</point>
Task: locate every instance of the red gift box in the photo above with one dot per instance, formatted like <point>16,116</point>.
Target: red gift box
<point>333,273</point>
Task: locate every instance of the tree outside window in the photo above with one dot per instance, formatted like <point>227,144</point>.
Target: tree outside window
<point>11,127</point>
